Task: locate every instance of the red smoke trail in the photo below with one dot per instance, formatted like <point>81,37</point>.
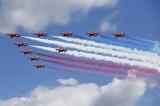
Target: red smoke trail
<point>85,72</point>
<point>101,63</point>
<point>85,67</point>
<point>98,68</point>
<point>84,61</point>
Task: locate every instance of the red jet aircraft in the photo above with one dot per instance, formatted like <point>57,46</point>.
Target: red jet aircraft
<point>13,34</point>
<point>39,66</point>
<point>33,58</point>
<point>119,34</point>
<point>66,34</point>
<point>26,51</point>
<point>61,50</point>
<point>19,44</point>
<point>90,34</point>
<point>39,34</point>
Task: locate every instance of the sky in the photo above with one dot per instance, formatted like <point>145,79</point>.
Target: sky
<point>22,84</point>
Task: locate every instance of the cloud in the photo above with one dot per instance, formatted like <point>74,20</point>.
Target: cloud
<point>69,81</point>
<point>106,24</point>
<point>113,94</point>
<point>33,15</point>
<point>117,93</point>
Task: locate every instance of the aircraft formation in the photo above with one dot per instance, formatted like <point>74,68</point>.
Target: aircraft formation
<point>59,50</point>
<point>65,34</point>
<point>91,57</point>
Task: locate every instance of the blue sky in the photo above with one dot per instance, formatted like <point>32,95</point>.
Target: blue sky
<point>138,18</point>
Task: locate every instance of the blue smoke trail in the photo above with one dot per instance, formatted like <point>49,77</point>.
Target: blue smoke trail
<point>141,40</point>
<point>124,40</point>
<point>114,42</point>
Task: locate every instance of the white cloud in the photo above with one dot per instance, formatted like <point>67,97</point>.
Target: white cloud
<point>106,26</point>
<point>69,81</point>
<point>37,14</point>
<point>121,93</point>
<point>117,93</point>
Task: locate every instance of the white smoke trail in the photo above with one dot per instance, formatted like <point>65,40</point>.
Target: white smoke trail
<point>100,57</point>
<point>118,54</point>
<point>103,45</point>
<point>135,54</point>
<point>116,48</point>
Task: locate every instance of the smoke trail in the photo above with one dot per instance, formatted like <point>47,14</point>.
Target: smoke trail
<point>114,41</point>
<point>127,42</point>
<point>83,37</point>
<point>57,68</point>
<point>117,42</point>
<point>103,45</point>
<point>133,57</point>
<point>141,39</point>
<point>91,43</point>
<point>84,61</point>
<point>85,72</point>
<point>100,57</point>
<point>139,42</point>
<point>133,75</point>
<point>141,70</point>
<point>102,69</point>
